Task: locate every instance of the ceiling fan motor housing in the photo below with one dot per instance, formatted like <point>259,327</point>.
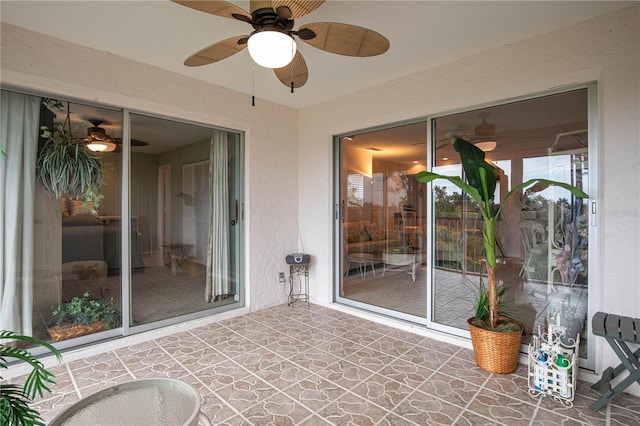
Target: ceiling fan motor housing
<point>93,130</point>
<point>267,17</point>
<point>485,129</point>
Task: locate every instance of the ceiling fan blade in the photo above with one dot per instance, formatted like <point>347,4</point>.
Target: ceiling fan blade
<point>296,72</point>
<point>219,8</point>
<point>134,142</point>
<point>217,51</point>
<point>298,8</point>
<point>346,39</point>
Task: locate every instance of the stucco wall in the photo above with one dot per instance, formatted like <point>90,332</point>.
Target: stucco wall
<point>51,66</point>
<point>605,49</point>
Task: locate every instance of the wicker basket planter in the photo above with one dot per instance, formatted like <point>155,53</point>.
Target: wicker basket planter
<point>496,352</point>
<point>64,332</point>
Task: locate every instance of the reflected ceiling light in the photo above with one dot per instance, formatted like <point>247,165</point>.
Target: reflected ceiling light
<point>97,139</point>
<point>271,49</point>
<point>486,146</point>
<point>98,146</point>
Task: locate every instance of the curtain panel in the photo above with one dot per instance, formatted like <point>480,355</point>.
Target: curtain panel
<point>218,280</point>
<point>19,137</point>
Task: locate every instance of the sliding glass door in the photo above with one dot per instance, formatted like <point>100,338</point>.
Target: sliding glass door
<point>383,220</point>
<point>184,224</point>
<point>416,252</point>
<point>114,222</point>
<point>543,234</point>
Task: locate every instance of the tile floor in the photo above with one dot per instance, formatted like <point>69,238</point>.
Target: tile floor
<point>317,366</point>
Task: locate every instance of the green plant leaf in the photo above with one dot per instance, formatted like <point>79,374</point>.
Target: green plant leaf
<point>39,378</point>
<point>15,400</point>
<point>474,164</point>
<point>426,177</point>
<point>65,166</point>
<point>14,408</point>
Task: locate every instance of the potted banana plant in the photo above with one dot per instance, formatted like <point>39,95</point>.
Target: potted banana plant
<point>496,341</point>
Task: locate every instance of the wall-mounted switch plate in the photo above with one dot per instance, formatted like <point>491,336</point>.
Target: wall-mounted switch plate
<point>281,277</point>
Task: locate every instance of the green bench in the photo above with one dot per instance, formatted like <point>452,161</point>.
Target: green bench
<point>618,330</point>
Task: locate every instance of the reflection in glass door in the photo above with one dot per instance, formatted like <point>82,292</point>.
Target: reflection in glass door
<point>543,232</point>
<point>77,183</point>
<point>184,225</point>
<point>383,223</point>
<point>416,254</point>
<point>76,238</point>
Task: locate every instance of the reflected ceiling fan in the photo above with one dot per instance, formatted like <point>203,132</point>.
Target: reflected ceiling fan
<point>273,34</point>
<point>484,134</point>
<point>450,137</point>
<point>98,140</point>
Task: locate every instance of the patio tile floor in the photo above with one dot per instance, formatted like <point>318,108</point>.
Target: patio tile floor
<point>318,366</point>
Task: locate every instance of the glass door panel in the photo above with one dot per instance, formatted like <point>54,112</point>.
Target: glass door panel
<point>184,224</point>
<point>384,220</point>
<point>77,277</point>
<point>66,214</point>
<point>542,235</point>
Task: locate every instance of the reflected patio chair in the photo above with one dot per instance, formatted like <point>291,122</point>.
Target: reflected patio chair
<point>534,241</point>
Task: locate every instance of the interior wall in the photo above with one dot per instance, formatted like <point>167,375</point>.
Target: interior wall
<point>144,200</point>
<point>604,49</point>
<point>177,158</point>
<point>33,62</point>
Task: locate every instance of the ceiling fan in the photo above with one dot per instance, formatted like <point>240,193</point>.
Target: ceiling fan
<point>450,137</point>
<point>273,23</point>
<point>484,135</point>
<point>98,140</point>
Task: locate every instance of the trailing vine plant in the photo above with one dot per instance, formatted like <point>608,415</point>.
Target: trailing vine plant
<point>64,165</point>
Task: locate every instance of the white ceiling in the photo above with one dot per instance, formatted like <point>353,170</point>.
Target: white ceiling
<point>423,34</point>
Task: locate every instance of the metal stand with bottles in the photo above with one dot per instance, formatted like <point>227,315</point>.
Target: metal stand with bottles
<point>552,364</point>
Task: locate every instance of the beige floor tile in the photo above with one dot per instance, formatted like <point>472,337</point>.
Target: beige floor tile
<point>310,365</point>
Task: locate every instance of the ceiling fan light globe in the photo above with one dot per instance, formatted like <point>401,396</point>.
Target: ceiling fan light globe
<point>271,49</point>
<point>97,146</point>
<point>487,146</point>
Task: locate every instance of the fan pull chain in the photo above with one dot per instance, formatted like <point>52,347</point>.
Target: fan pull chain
<point>293,51</point>
<point>253,88</point>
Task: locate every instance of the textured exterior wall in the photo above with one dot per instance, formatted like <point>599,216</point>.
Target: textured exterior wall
<point>32,61</point>
<point>605,49</point>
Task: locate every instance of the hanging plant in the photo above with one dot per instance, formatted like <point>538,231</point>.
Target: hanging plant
<point>64,166</point>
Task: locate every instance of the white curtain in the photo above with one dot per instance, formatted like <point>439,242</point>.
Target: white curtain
<point>218,282</point>
<point>19,138</point>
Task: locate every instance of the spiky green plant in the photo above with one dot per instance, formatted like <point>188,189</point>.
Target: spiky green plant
<point>481,186</point>
<point>15,399</point>
<point>65,166</point>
